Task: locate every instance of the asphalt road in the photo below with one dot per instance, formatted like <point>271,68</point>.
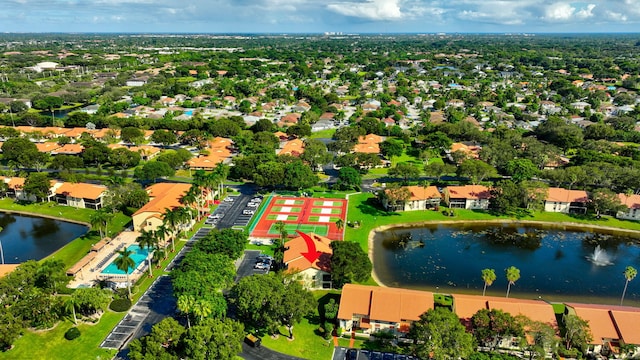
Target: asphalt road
<point>262,353</point>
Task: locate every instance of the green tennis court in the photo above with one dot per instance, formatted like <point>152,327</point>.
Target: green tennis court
<point>282,217</point>
<point>316,210</point>
<point>289,202</point>
<point>321,230</point>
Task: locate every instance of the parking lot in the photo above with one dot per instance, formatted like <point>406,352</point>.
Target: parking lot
<point>342,353</point>
<point>234,210</point>
<point>248,264</point>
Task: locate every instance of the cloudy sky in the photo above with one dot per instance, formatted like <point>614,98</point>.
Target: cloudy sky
<point>307,16</point>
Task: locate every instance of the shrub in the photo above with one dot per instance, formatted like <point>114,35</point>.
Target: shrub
<point>328,329</point>
<point>120,305</point>
<point>72,333</point>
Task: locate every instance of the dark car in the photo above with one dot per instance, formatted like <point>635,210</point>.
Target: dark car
<point>352,354</point>
<point>387,356</point>
<point>376,355</point>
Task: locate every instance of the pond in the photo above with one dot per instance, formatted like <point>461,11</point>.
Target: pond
<point>554,264</point>
<point>33,238</point>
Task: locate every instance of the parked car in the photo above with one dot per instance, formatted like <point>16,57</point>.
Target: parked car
<point>352,354</point>
<point>252,204</point>
<point>261,266</point>
<point>253,340</point>
<point>248,212</point>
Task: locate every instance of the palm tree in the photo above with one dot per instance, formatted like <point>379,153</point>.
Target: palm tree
<point>186,304</point>
<point>488,276</point>
<point>161,233</point>
<point>100,220</point>
<point>513,274</point>
<point>172,219</point>
<point>148,240</point>
<point>70,305</point>
<point>629,274</point>
<point>193,196</point>
<point>202,308</point>
<point>339,224</point>
<point>124,262</point>
<point>158,255</point>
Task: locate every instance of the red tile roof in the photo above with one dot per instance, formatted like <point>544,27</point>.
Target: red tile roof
<point>468,192</point>
<point>564,195</point>
<point>296,247</point>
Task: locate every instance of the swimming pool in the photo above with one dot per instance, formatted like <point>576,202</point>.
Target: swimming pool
<point>188,112</point>
<point>138,255</point>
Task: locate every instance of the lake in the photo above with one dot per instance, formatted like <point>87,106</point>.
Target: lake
<point>33,238</point>
<point>554,264</point>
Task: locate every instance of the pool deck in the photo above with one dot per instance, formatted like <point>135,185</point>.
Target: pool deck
<point>91,273</point>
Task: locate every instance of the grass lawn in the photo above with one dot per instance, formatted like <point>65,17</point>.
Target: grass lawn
<point>307,343</point>
<point>323,134</point>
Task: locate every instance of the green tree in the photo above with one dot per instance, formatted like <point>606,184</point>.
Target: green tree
<point>229,242</point>
<point>66,162</point>
<point>154,170</point>
<point>186,304</point>
<point>349,263</point>
<point>297,302</point>
<point>490,325</point>
<point>349,178</point>
<point>629,274</point>
<point>148,240</point>
<point>213,339</point>
<point>299,176</point>
<point>438,169</point>
<point>132,135</point>
<point>506,197</point>
<point>438,141</point>
<point>90,301</point>
<point>257,299</point>
<point>439,335</point>
<point>392,147</point>
<point>576,332</point>
<point>521,169</point>
<point>164,137</point>
<point>488,277</point>
<point>605,200</point>
<point>124,158</point>
<point>124,262</point>
<point>20,151</point>
<point>315,153</point>
<point>512,275</point>
<point>100,220</point>
<point>476,170</point>
<point>405,171</point>
<point>38,185</point>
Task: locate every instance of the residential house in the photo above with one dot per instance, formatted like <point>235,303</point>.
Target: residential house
<point>80,195</point>
<point>566,201</point>
<point>314,273</point>
<point>632,203</point>
<point>467,197</point>
<point>162,196</point>
<point>220,151</point>
<point>611,327</point>
<point>372,309</point>
<point>322,124</point>
<point>147,152</point>
<point>68,149</point>
<point>139,81</point>
<point>293,147</point>
<point>421,198</point>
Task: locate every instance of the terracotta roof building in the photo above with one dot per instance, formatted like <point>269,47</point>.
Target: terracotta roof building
<point>162,196</point>
<point>313,271</point>
<point>632,203</point>
<point>293,147</point>
<point>373,308</point>
<point>80,195</point>
<point>467,197</point>
<point>566,201</point>
<point>420,198</point>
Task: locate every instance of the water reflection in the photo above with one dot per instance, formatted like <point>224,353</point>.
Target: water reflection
<point>552,262</point>
<point>32,238</point>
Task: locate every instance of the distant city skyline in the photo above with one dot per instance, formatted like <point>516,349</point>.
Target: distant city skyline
<point>313,16</point>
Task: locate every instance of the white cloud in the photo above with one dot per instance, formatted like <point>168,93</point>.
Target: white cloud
<point>370,9</point>
<point>586,12</point>
<point>559,12</point>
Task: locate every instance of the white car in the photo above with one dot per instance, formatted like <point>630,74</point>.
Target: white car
<point>248,212</point>
<point>252,204</point>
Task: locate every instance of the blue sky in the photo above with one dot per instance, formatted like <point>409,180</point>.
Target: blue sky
<point>304,16</point>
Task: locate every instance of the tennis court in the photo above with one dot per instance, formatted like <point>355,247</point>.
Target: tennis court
<point>303,214</point>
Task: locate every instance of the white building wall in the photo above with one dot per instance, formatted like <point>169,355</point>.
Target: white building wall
<point>556,206</point>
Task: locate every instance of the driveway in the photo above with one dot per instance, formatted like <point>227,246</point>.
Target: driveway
<point>245,266</point>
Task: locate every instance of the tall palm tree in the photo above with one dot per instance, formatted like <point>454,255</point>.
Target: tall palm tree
<point>488,276</point>
<point>629,274</point>
<point>172,219</point>
<point>193,196</point>
<point>124,262</point>
<point>70,305</point>
<point>513,274</point>
<point>100,220</point>
<point>148,240</point>
<point>186,304</point>
<point>339,224</point>
<point>161,233</point>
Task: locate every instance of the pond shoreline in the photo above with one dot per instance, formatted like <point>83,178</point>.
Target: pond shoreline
<point>566,226</point>
<point>59,218</point>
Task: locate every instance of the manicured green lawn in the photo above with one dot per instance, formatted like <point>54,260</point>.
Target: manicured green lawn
<point>307,343</point>
<point>323,134</point>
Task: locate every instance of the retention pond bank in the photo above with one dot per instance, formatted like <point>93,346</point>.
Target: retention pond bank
<point>557,262</point>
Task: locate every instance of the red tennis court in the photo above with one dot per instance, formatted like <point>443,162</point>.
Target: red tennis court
<point>317,215</point>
